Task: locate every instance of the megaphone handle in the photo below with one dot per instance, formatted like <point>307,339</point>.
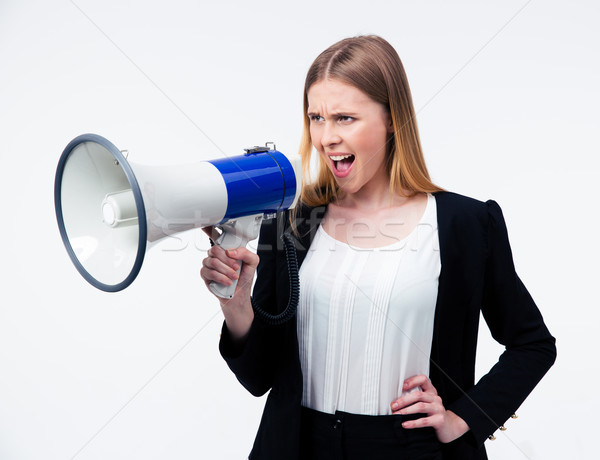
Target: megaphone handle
<point>236,233</point>
<point>225,292</point>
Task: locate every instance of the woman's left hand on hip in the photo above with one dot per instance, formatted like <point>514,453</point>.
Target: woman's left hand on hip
<point>448,426</point>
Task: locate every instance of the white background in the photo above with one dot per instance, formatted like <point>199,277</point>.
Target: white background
<point>508,108</point>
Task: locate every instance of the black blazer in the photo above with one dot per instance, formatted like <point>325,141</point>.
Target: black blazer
<point>477,275</point>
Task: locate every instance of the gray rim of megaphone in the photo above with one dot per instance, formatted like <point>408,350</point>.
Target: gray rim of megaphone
<point>139,204</point>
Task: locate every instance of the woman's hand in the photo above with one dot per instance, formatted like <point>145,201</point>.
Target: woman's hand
<point>221,266</point>
<point>448,426</point>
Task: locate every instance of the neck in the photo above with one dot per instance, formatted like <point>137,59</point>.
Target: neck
<point>372,198</point>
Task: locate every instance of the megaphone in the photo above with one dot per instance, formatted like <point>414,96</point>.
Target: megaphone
<point>110,211</point>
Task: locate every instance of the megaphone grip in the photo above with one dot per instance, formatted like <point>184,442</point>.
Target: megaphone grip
<point>236,233</point>
<point>225,292</point>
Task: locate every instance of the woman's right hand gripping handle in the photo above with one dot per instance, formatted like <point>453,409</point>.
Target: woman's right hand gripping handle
<point>221,266</point>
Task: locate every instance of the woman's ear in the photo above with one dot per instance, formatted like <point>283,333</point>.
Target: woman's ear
<point>390,123</point>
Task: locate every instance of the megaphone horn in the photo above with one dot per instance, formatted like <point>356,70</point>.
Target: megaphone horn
<point>108,210</point>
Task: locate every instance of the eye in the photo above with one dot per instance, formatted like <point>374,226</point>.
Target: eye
<point>345,118</point>
<point>313,117</point>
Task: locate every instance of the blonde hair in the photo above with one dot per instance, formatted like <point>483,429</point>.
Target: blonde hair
<point>372,65</point>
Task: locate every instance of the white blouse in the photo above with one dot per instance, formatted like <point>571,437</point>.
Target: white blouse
<point>365,318</point>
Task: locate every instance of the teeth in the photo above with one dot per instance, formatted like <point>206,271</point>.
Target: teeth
<point>339,157</point>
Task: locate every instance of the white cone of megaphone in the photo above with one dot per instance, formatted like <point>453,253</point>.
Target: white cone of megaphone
<point>108,209</point>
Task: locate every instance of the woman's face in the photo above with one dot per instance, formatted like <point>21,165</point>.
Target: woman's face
<point>349,130</point>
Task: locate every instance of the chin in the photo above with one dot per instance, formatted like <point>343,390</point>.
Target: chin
<point>348,186</point>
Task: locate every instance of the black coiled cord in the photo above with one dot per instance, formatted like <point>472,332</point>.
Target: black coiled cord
<point>292,306</point>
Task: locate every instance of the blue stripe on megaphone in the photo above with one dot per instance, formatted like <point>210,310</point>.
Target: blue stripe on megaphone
<point>289,178</point>
<point>262,182</point>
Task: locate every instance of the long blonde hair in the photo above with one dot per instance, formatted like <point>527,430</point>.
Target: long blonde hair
<point>372,65</point>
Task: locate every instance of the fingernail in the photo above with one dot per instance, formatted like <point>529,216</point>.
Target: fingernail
<point>232,253</point>
<point>236,267</point>
<point>395,406</point>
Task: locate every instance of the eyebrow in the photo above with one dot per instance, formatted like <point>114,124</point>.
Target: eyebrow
<point>337,114</point>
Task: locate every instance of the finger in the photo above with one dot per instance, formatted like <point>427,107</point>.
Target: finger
<point>214,266</point>
<point>249,261</point>
<point>419,381</point>
<point>209,276</point>
<point>433,421</point>
<point>423,407</point>
<point>244,255</point>
<point>413,398</point>
<point>218,253</point>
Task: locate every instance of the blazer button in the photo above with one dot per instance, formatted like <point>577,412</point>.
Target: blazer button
<point>337,424</point>
<point>491,437</point>
<point>502,428</point>
<point>514,416</point>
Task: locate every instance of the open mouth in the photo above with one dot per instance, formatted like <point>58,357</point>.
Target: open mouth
<point>342,163</point>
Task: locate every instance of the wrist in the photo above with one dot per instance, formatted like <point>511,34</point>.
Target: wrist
<point>238,322</point>
<point>459,426</point>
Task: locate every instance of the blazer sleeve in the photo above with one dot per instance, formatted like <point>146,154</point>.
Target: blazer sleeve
<point>514,321</point>
<point>252,361</point>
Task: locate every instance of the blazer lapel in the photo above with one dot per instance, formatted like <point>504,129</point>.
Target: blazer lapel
<point>445,287</point>
<point>460,249</point>
<point>308,222</point>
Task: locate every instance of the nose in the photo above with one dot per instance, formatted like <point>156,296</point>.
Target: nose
<point>331,135</point>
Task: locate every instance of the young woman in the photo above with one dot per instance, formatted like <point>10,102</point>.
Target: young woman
<point>379,361</point>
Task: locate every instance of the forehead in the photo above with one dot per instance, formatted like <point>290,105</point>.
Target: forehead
<point>334,95</point>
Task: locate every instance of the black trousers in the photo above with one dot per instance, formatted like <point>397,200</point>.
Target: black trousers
<point>344,436</point>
